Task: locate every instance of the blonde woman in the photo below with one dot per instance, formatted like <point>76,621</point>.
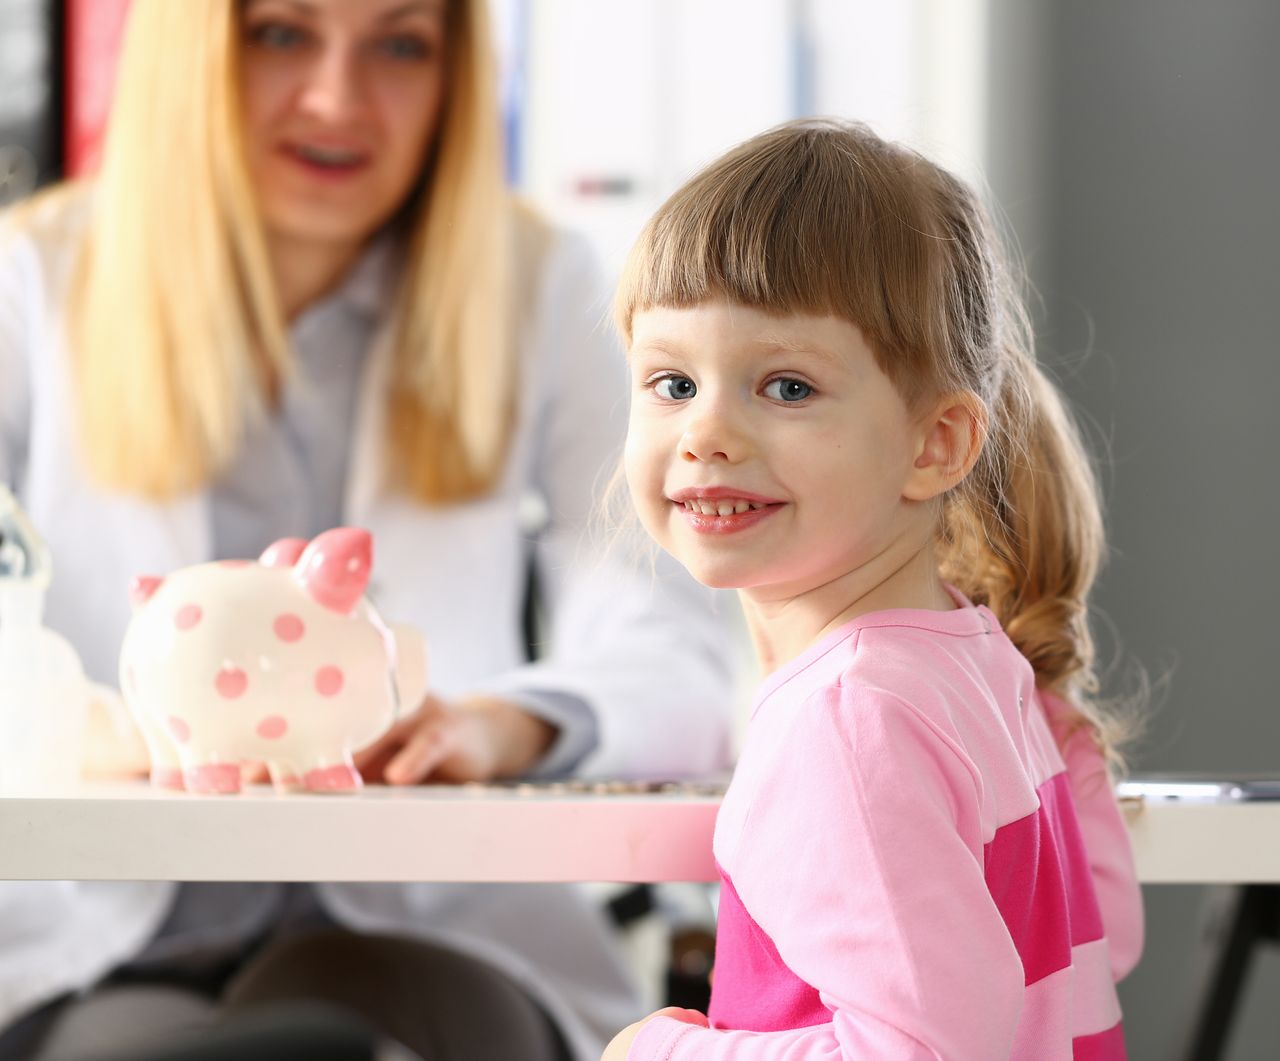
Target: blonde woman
<point>297,295</point>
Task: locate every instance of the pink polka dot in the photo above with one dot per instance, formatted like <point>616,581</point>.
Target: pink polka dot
<point>288,627</point>
<point>179,730</point>
<point>187,616</point>
<point>328,681</point>
<point>272,727</point>
<point>231,682</point>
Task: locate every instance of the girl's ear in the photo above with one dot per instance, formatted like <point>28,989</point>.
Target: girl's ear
<point>950,439</point>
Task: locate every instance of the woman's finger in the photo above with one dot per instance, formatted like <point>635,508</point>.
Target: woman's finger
<point>253,773</point>
<point>372,759</point>
<point>430,744</point>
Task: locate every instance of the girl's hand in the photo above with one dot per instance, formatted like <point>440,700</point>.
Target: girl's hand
<point>617,1050</point>
<point>475,739</point>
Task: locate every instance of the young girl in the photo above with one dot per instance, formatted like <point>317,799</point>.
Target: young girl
<point>835,410</point>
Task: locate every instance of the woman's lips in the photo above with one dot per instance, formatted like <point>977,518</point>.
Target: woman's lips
<point>326,163</point>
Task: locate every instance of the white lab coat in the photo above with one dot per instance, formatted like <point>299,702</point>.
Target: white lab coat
<point>644,648</point>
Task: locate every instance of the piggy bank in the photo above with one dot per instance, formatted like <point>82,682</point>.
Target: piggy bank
<point>283,661</point>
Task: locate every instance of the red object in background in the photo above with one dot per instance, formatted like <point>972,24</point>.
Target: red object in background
<point>93,32</point>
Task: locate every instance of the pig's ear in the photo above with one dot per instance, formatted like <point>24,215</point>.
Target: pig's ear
<point>141,589</point>
<point>283,553</point>
<point>334,568</point>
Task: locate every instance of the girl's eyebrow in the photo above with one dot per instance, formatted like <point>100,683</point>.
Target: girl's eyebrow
<point>656,346</point>
<point>769,343</point>
<point>785,344</point>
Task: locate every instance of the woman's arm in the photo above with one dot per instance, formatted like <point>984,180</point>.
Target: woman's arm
<point>634,679</point>
<point>111,747</point>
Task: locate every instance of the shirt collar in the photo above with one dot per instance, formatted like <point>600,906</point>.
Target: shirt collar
<point>370,286</point>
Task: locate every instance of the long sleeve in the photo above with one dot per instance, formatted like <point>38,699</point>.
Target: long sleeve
<point>630,635</point>
<point>1106,839</point>
<point>862,863</point>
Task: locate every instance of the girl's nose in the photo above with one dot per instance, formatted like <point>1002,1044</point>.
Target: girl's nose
<point>333,90</point>
<point>712,437</point>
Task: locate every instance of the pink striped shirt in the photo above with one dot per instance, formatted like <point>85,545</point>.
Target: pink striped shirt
<point>909,867</point>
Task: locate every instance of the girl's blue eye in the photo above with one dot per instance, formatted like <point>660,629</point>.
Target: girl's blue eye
<point>787,390</point>
<point>677,388</point>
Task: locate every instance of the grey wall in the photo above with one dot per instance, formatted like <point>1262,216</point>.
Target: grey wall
<point>1136,149</point>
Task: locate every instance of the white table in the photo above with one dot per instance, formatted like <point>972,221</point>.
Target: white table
<point>128,831</point>
<point>1206,843</point>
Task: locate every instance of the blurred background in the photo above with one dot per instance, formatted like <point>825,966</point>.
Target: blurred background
<point>1132,148</point>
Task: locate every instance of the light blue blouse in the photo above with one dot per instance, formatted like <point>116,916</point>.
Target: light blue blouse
<point>289,481</point>
<point>291,473</point>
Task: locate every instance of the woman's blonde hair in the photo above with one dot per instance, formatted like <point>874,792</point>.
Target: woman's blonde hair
<point>175,325</point>
<point>822,216</point>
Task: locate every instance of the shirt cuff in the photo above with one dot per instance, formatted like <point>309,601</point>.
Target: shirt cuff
<point>658,1039</point>
<point>577,729</point>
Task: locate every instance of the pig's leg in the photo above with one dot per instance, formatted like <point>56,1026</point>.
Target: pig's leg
<point>284,775</point>
<point>206,773</point>
<point>333,774</point>
<point>162,746</point>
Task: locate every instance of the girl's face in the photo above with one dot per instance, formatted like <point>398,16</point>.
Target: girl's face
<point>768,454</point>
<point>341,103</point>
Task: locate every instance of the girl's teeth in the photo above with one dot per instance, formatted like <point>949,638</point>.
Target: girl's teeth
<point>720,508</point>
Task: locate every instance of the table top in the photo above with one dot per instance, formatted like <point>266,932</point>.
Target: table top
<point>129,831</point>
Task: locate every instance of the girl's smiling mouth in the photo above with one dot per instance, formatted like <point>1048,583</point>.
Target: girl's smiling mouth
<point>723,510</point>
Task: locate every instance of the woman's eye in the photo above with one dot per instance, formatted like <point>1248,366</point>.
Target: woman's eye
<point>677,388</point>
<point>405,46</point>
<point>277,35</point>
<point>787,390</point>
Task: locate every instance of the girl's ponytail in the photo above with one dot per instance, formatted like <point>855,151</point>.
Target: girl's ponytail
<point>1025,535</point>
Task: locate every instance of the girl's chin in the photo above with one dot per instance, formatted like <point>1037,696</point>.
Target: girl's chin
<point>717,576</point>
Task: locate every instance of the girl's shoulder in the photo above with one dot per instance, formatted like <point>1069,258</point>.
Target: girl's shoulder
<point>953,680</point>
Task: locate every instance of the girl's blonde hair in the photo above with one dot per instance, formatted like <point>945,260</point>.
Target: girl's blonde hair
<point>824,217</point>
<point>175,325</point>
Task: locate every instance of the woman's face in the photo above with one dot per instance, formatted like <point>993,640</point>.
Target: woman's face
<point>342,101</point>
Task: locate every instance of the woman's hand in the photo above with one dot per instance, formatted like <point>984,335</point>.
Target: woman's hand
<point>478,738</point>
<point>621,1044</point>
<point>111,748</point>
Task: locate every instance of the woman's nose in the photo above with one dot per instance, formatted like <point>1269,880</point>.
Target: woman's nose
<point>333,90</point>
